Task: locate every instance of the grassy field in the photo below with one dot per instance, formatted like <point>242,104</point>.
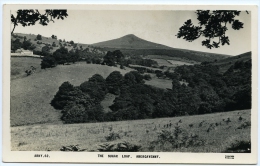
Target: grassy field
<point>159,82</point>
<point>165,57</point>
<point>31,96</point>
<point>214,133</point>
<point>162,62</point>
<point>178,63</point>
<point>108,101</point>
<point>20,64</point>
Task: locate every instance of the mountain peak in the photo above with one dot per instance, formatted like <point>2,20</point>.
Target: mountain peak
<point>129,35</point>
<point>130,41</point>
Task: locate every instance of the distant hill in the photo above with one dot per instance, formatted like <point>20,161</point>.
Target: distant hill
<point>225,64</point>
<point>130,42</point>
<point>133,45</point>
<point>128,45</point>
<point>48,40</point>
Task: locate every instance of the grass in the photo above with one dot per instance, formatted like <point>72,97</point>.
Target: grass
<point>108,101</point>
<point>165,57</point>
<point>31,96</point>
<point>20,64</point>
<point>162,62</point>
<point>178,63</point>
<point>144,133</point>
<point>159,82</point>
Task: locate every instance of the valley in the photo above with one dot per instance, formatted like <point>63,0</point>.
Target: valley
<point>156,91</point>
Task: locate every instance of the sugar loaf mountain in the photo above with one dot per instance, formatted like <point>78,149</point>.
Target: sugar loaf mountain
<point>132,45</point>
<point>168,90</point>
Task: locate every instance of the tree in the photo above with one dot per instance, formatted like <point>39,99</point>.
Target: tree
<point>53,37</point>
<point>114,82</point>
<point>48,62</point>
<point>30,17</point>
<point>39,37</point>
<point>212,25</point>
<point>71,42</point>
<point>45,50</point>
<point>61,55</point>
<point>27,45</point>
<point>15,44</point>
<point>54,44</point>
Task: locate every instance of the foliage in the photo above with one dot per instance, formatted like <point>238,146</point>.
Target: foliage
<point>48,62</point>
<point>211,25</point>
<point>112,136</point>
<point>15,44</point>
<point>61,55</point>
<point>111,58</point>
<point>120,147</point>
<point>239,147</point>
<point>53,37</point>
<point>30,17</point>
<point>178,138</point>
<point>114,81</point>
<point>39,37</point>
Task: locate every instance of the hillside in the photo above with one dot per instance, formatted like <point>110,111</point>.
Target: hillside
<point>210,132</point>
<point>225,64</point>
<point>48,40</point>
<point>128,45</point>
<point>31,96</point>
<point>130,42</point>
<point>133,45</point>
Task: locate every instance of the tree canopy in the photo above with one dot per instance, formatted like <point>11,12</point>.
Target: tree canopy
<point>212,25</point>
<point>30,17</point>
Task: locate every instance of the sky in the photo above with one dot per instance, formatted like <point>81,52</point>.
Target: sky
<point>93,26</point>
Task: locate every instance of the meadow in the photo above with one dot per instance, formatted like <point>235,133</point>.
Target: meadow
<point>20,64</point>
<point>159,82</point>
<point>165,57</point>
<point>210,132</point>
<point>31,95</point>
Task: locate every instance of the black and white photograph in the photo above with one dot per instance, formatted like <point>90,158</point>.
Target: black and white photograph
<point>153,82</point>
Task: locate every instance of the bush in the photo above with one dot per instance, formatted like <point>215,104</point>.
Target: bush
<point>114,82</point>
<point>112,136</point>
<point>120,147</point>
<point>147,77</point>
<point>48,62</point>
<point>178,138</point>
<point>239,147</point>
<point>39,37</point>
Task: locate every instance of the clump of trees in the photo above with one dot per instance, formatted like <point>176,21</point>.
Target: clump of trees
<point>207,91</point>
<point>25,44</point>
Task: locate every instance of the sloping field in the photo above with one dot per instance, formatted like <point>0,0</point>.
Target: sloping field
<point>20,64</point>
<point>166,57</point>
<point>163,62</point>
<point>159,82</point>
<point>31,96</point>
<point>178,63</point>
<point>212,130</point>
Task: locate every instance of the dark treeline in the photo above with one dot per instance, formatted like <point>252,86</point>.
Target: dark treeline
<point>63,56</point>
<point>183,54</point>
<point>207,92</point>
<point>117,57</point>
<point>21,42</point>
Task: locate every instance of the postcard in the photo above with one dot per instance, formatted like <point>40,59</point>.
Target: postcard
<point>130,84</point>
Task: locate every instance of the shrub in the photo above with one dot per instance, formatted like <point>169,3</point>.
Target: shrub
<point>120,147</point>
<point>147,77</point>
<point>244,125</point>
<point>179,138</point>
<point>239,147</point>
<point>48,62</point>
<point>112,136</point>
<point>39,37</point>
<point>114,82</point>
